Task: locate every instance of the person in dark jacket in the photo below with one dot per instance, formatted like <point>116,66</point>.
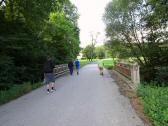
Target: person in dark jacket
<point>70,66</point>
<point>49,75</point>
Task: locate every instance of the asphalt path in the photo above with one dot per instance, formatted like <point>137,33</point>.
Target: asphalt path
<point>87,99</point>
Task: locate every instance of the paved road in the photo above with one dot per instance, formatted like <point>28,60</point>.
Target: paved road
<point>85,100</point>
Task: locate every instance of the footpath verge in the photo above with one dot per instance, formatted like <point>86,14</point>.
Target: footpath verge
<point>126,90</point>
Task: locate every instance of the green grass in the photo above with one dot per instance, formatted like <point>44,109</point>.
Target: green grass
<point>107,63</point>
<point>17,91</point>
<point>155,103</point>
<point>85,62</point>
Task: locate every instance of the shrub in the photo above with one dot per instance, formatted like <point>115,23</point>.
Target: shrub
<point>6,70</point>
<point>147,73</point>
<point>155,103</point>
<point>162,75</point>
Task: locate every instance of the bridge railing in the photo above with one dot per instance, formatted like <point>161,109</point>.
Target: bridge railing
<point>61,70</point>
<point>130,71</point>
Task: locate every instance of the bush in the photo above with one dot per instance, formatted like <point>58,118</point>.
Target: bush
<point>147,73</point>
<point>6,69</point>
<point>155,103</point>
<point>162,75</point>
<point>12,72</point>
<point>7,72</point>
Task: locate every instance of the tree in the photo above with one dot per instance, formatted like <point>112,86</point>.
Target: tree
<point>89,52</point>
<point>118,49</point>
<point>29,31</point>
<point>100,52</point>
<point>61,33</point>
<point>141,24</point>
<point>91,47</point>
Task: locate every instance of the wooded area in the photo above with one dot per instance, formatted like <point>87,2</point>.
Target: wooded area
<point>29,31</point>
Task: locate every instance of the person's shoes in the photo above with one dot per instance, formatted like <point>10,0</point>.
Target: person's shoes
<point>53,89</point>
<point>48,91</point>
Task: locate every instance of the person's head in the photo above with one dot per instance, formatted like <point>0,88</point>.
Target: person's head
<point>48,57</point>
<point>70,60</point>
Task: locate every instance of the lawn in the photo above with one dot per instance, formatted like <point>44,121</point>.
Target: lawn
<point>85,62</point>
<point>107,63</point>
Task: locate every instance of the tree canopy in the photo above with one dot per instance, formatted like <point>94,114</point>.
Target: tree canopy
<point>32,29</point>
<point>143,26</point>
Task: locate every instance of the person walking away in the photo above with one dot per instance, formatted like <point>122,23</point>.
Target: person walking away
<point>101,65</point>
<point>77,64</point>
<point>70,66</point>
<point>49,75</point>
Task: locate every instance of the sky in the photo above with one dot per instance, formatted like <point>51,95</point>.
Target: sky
<point>90,21</point>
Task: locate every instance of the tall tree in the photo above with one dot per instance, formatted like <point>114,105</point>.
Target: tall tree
<point>32,29</point>
<point>100,52</point>
<point>142,25</point>
<point>89,52</point>
<point>62,33</point>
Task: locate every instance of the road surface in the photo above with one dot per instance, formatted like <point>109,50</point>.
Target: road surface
<point>87,99</point>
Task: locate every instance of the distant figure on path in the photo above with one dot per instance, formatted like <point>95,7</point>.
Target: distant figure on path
<point>70,66</point>
<point>77,64</point>
<point>101,65</point>
<point>49,75</point>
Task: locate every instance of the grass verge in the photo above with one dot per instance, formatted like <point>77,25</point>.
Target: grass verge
<point>135,100</point>
<point>155,103</point>
<point>84,62</point>
<point>17,91</point>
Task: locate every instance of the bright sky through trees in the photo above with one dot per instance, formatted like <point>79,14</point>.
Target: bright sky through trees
<point>90,21</point>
